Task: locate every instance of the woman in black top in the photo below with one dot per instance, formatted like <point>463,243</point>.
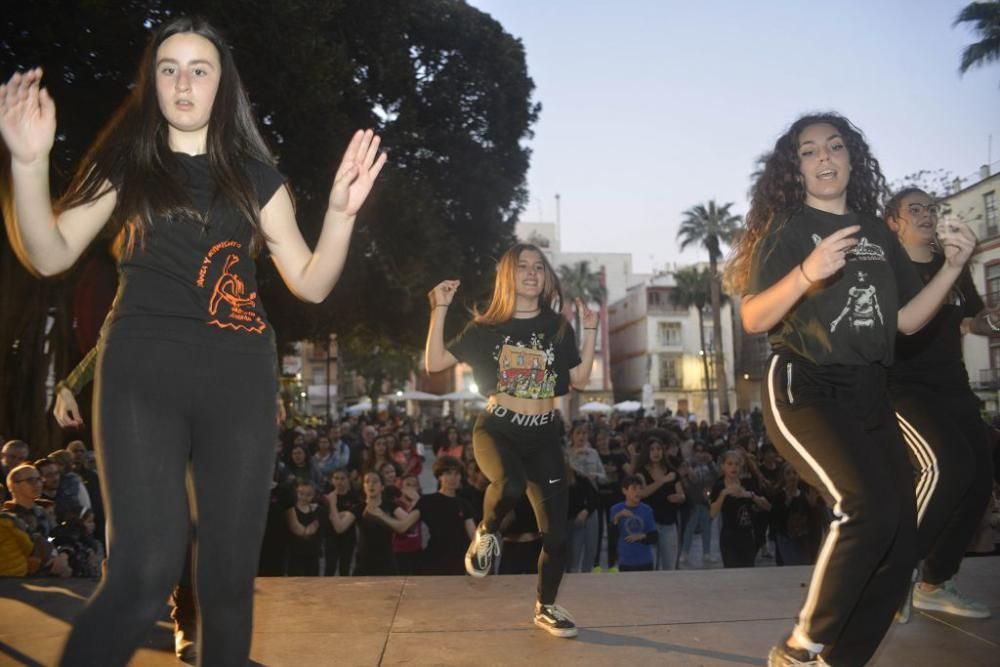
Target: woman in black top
<point>830,284</point>
<point>304,520</point>
<point>523,355</point>
<point>186,374</point>
<point>738,499</point>
<point>664,494</point>
<point>939,415</point>
<point>374,555</point>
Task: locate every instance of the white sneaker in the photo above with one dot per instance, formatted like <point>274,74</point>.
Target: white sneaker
<point>946,598</point>
<point>483,553</point>
<point>905,610</point>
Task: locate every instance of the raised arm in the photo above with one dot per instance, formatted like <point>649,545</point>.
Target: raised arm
<point>761,311</point>
<point>579,376</point>
<point>46,243</point>
<point>958,242</point>
<point>436,357</point>
<point>310,275</point>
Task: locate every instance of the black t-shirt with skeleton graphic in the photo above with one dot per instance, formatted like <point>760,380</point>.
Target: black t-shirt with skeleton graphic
<point>195,280</point>
<point>849,318</point>
<point>524,358</point>
<point>933,355</point>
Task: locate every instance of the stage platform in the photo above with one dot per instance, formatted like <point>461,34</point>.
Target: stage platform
<point>690,617</point>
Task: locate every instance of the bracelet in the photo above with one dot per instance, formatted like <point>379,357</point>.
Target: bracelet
<point>443,305</point>
<point>990,324</point>
<point>804,274</point>
<point>595,329</point>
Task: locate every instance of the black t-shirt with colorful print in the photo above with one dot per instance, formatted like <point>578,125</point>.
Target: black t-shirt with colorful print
<point>195,280</point>
<point>849,318</point>
<point>524,358</point>
<point>933,355</point>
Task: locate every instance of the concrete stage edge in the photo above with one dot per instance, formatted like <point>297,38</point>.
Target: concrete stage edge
<point>690,617</point>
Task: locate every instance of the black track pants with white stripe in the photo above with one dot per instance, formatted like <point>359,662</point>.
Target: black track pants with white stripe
<point>949,449</point>
<point>836,426</point>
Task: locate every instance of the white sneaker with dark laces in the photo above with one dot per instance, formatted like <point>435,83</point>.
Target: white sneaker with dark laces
<point>946,598</point>
<point>555,620</point>
<point>483,553</point>
<point>784,655</point>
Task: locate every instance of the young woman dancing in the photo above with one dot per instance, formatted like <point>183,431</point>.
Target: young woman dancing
<point>523,354</point>
<point>830,284</point>
<point>186,371</point>
<point>939,416</point>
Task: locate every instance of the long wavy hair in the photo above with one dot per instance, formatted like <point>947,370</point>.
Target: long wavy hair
<point>132,152</point>
<point>779,192</point>
<point>502,303</point>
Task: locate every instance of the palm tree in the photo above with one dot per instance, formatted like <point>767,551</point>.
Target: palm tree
<point>711,226</point>
<point>985,20</point>
<point>692,288</point>
<point>579,282</point>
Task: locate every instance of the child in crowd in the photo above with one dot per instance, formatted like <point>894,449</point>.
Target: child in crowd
<point>636,527</point>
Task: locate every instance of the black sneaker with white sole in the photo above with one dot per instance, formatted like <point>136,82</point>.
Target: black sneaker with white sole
<point>483,553</point>
<point>555,620</point>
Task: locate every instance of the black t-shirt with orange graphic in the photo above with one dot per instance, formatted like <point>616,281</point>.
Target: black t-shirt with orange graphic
<point>524,358</point>
<point>194,280</point>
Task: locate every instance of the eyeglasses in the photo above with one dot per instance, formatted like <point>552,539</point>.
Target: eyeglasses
<point>920,209</point>
<point>36,479</point>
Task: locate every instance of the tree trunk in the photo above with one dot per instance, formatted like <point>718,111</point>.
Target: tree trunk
<point>704,365</point>
<point>720,361</point>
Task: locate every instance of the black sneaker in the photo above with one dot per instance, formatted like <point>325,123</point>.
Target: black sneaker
<point>555,620</point>
<point>784,655</point>
<point>483,553</point>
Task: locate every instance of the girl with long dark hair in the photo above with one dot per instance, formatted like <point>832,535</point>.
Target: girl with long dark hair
<point>939,416</point>
<point>829,283</point>
<point>186,370</point>
<point>524,355</point>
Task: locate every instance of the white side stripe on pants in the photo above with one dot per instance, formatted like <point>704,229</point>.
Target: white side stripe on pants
<point>831,539</point>
<point>930,471</point>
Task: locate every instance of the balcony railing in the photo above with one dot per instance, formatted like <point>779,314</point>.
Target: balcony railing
<point>989,378</point>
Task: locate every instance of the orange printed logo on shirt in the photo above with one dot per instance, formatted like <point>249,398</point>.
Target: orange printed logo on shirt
<point>229,305</point>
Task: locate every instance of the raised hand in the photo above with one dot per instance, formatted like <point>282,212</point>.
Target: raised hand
<point>830,255</point>
<point>27,117</point>
<point>443,293</point>
<point>957,241</point>
<point>357,172</point>
<point>588,318</point>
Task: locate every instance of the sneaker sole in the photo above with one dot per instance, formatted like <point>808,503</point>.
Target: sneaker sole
<point>948,609</point>
<point>565,633</point>
<point>473,572</point>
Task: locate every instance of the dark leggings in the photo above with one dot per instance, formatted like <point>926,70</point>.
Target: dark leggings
<point>165,409</point>
<point>835,425</point>
<point>949,449</point>
<point>519,458</point>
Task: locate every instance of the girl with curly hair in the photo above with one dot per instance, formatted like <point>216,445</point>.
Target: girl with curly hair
<point>830,284</point>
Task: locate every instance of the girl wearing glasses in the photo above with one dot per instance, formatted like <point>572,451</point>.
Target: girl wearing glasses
<point>939,415</point>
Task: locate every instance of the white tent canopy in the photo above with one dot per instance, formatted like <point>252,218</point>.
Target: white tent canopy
<point>464,395</point>
<point>628,406</point>
<point>414,395</point>
<point>363,406</point>
<point>594,406</point>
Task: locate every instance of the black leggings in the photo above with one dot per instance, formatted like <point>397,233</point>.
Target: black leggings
<point>949,448</point>
<point>521,454</point>
<point>165,409</point>
<point>835,425</point>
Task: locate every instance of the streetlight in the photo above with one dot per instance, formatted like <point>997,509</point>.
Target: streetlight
<point>706,362</point>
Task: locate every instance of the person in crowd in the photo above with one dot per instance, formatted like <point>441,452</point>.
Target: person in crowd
<point>939,414</point>
<point>324,459</point>
<point>609,492</point>
<point>473,489</point>
<point>374,555</point>
<point>71,485</point>
<point>16,547</point>
<point>703,472</point>
<point>663,492</point>
<point>378,455</point>
<point>522,543</point>
<point>406,455</point>
<point>33,514</point>
<point>338,547</point>
<point>830,284</point>
<point>184,143</point>
<point>13,454</point>
<point>407,546</point>
<point>523,354</point>
<point>304,520</point>
<point>584,506</point>
<point>792,509</point>
<point>300,467</point>
<point>340,449</point>
<point>637,530</point>
<point>586,463</point>
<point>737,498</point>
<point>74,536</point>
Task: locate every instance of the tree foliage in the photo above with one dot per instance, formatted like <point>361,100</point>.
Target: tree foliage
<point>984,18</point>
<point>442,82</point>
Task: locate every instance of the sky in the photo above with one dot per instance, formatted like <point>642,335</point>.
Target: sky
<point>650,107</point>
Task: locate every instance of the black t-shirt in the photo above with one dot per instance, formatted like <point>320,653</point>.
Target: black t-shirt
<point>614,467</point>
<point>374,556</point>
<point>524,358</point>
<point>664,511</point>
<point>309,545</point>
<point>737,513</point>
<point>933,355</point>
<point>445,518</point>
<point>850,318</point>
<point>194,280</point>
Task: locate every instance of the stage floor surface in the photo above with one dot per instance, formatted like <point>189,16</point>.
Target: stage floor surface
<point>690,617</point>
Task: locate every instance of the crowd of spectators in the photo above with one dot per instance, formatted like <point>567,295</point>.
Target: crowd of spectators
<point>385,495</point>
